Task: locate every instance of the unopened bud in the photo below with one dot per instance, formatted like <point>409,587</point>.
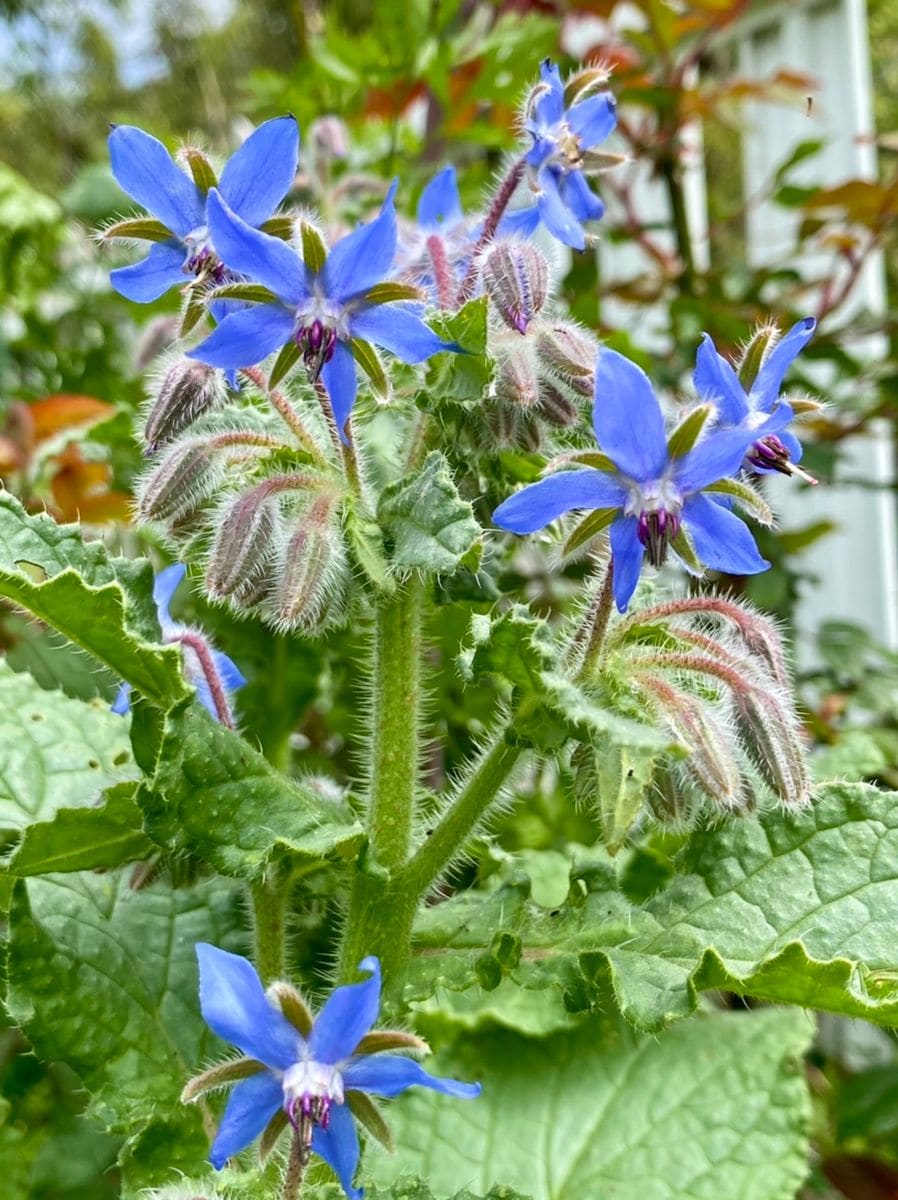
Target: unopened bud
<point>517,382</point>
<point>242,544</point>
<point>569,353</point>
<point>186,477</point>
<point>330,136</point>
<point>555,408</point>
<point>188,389</point>
<point>516,277</point>
<point>768,731</point>
<point>698,723</point>
<point>311,567</point>
<point>157,336</point>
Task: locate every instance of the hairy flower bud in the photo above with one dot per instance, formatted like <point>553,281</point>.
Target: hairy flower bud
<point>516,277</point>
<point>242,545</point>
<point>186,477</point>
<point>767,728</point>
<point>556,408</point>
<point>517,382</point>
<point>569,354</point>
<point>329,136</point>
<point>157,336</point>
<point>187,390</point>
<point>311,568</point>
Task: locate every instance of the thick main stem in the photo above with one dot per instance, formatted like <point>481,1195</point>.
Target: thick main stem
<point>269,901</point>
<point>474,800</point>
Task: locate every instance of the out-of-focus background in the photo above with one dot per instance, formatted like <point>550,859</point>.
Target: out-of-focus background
<point>762,180</point>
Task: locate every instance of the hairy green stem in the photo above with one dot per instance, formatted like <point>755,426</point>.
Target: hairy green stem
<point>595,624</point>
<point>461,818</point>
<point>269,903</point>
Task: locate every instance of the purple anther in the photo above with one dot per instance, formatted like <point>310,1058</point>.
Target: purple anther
<point>770,454</point>
<point>656,530</point>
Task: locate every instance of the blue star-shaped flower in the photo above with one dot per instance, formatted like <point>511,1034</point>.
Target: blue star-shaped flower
<point>254,181</point>
<point>760,410</point>
<point>321,311</point>
<point>650,495</point>
<point>227,675</point>
<point>309,1076</point>
<point>561,136</point>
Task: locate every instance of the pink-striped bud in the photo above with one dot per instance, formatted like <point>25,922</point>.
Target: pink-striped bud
<point>311,569</point>
<point>569,354</point>
<point>187,390</point>
<point>769,731</point>
<point>242,545</point>
<point>517,382</point>
<point>556,408</point>
<point>185,478</point>
<point>516,278</point>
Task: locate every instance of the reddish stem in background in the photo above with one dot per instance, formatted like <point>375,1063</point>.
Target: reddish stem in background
<point>497,210</point>
<point>442,275</point>
<point>197,644</point>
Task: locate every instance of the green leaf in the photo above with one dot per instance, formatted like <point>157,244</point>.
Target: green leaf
<point>104,979</point>
<point>799,909</point>
<point>461,378</point>
<point>613,780</point>
<point>102,604</point>
<point>430,526</point>
<point>216,797</point>
<point>716,1107</point>
<point>513,645</point>
<point>80,839</point>
<point>55,751</point>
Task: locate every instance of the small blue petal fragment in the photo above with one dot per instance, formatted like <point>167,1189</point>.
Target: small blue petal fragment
<point>556,216</point>
<point>766,387</point>
<point>439,208</point>
<point>716,381</point>
<point>258,176</point>
<point>627,553</point>
<point>147,280</point>
<point>347,1016</point>
<point>121,705</point>
<point>722,540</point>
<point>234,1006</point>
<point>592,120</point>
<point>245,337</point>
<point>266,260</point>
<point>147,172</point>
<point>342,385</point>
<point>251,1105</point>
<point>364,257</point>
<point>165,585</point>
<point>540,503</point>
<point>338,1145</point>
<point>390,1074</point>
<point>627,417</point>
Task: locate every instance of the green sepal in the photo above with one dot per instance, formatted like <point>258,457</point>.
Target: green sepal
<point>689,430</point>
<point>146,229</point>
<point>286,360</point>
<point>589,527</point>
<point>251,292</point>
<point>369,360</point>
<point>280,226</point>
<point>314,251</point>
<point>749,497</point>
<point>682,544</point>
<point>200,168</point>
<point>612,780</point>
<point>193,312</point>
<point>388,292</point>
<point>589,458</point>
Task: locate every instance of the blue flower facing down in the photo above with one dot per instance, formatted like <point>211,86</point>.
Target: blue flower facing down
<point>254,181</point>
<point>212,673</point>
<point>309,1073</point>
<point>323,311</point>
<point>760,410</point>
<point>562,137</point>
<point>650,496</point>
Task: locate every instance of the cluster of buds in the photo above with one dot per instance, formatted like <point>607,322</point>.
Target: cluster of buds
<point>712,671</point>
<point>266,518</point>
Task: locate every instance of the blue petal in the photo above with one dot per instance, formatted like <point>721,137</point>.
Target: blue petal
<point>121,705</point>
<point>230,674</point>
<point>594,119</point>
<point>556,216</point>
<point>338,1145</point>
<point>395,328</point>
<point>347,1016</point>
<point>389,1074</point>
<point>627,553</point>
<point>440,206</point>
<point>251,1105</point>
<point>717,457</point>
<point>245,337</point>
<point>235,1007</point>
<point>579,198</point>
<point>523,222</point>
<point>539,503</point>
<point>550,105</point>
<point>147,172</point>
<point>717,382</point>
<point>767,386</point>
<point>152,277</point>
<point>792,444</point>
<point>342,384</point>
<point>365,256</point>
<point>259,175</point>
<point>722,540</point>
<point>627,418</point>
<point>165,585</point>
<point>263,259</point>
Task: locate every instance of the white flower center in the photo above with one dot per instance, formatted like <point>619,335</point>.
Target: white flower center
<point>312,1080</point>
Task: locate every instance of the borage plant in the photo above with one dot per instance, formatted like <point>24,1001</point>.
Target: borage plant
<point>448,560</point>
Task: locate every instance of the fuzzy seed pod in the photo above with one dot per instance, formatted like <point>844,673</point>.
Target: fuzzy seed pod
<point>310,569</point>
<point>516,278</point>
<point>569,353</point>
<point>242,544</point>
<point>188,389</point>
<point>180,483</point>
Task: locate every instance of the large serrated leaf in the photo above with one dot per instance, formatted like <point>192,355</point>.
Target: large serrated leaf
<point>104,979</point>
<point>216,797</point>
<point>430,526</point>
<point>55,751</point>
<point>717,1107</point>
<point>102,604</point>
